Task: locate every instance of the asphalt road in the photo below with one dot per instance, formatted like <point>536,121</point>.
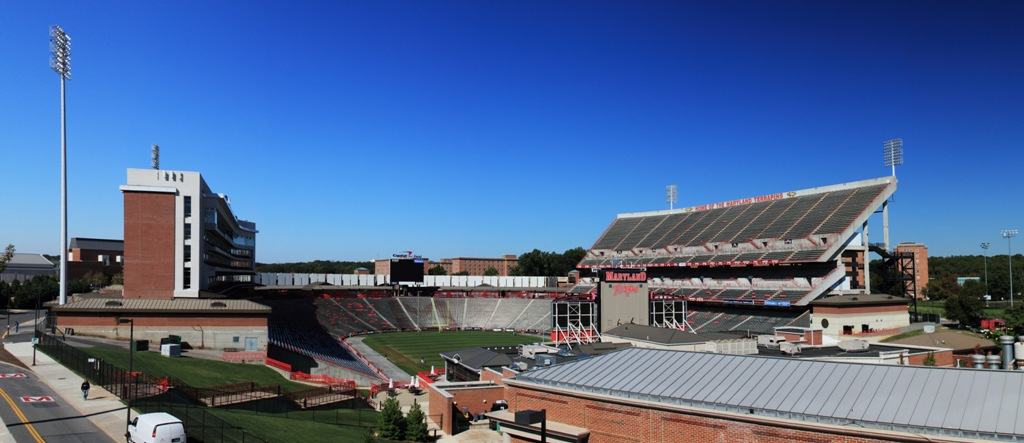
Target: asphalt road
<point>24,408</point>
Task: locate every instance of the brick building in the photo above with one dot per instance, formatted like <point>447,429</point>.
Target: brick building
<point>458,265</point>
<point>920,251</point>
<point>94,255</point>
<point>181,238</point>
<point>648,395</point>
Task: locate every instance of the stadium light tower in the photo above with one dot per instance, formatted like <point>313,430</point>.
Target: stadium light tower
<point>984,246</point>
<point>893,150</point>
<point>671,195</point>
<point>1008,234</point>
<point>60,62</point>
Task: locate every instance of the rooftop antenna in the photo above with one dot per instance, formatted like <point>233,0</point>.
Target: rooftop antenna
<point>671,195</point>
<point>893,150</point>
<point>156,156</point>
<point>60,62</point>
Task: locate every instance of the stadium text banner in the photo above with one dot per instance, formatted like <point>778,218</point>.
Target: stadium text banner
<point>624,275</point>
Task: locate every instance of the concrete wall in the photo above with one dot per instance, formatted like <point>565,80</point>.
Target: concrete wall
<point>623,303</point>
<point>199,332</point>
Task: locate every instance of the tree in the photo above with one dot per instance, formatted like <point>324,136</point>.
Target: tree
<point>490,271</point>
<point>117,279</point>
<point>436,270</point>
<point>416,424</point>
<point>553,264</point>
<point>966,310</point>
<point>390,421</point>
<point>929,360</point>
<point>1015,317</point>
<point>95,279</point>
<point>943,287</point>
<point>6,257</point>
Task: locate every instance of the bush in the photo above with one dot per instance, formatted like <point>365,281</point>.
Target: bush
<point>966,310</point>
<point>416,424</point>
<point>390,422</point>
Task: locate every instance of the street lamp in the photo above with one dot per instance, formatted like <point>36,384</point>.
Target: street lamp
<point>985,246</point>
<point>131,368</point>
<point>60,62</point>
<point>1008,234</point>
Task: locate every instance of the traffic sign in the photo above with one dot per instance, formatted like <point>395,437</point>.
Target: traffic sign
<point>36,399</point>
<point>13,375</point>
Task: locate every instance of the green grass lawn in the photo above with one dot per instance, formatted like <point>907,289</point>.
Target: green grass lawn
<point>196,372</point>
<point>936,307</point>
<point>281,429</point>
<point>407,349</point>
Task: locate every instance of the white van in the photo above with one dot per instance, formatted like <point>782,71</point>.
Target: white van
<point>159,427</point>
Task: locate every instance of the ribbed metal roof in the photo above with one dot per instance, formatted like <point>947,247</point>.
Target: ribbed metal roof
<point>163,305</point>
<point>974,403</point>
<point>102,244</point>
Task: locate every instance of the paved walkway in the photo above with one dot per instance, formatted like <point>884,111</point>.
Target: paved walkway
<point>379,360</point>
<point>105,412</point>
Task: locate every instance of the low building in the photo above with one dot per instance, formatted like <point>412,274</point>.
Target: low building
<point>203,323</point>
<point>467,364</point>
<point>657,396</point>
<point>860,314</point>
<point>24,267</point>
<point>95,255</point>
<point>644,336</point>
<point>874,353</point>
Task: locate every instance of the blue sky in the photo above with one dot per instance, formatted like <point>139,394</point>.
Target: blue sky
<point>350,130</point>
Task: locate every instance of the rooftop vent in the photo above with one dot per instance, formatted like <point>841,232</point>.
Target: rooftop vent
<point>218,304</point>
<point>113,303</point>
<point>854,345</point>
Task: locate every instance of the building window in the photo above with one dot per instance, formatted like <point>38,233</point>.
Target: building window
<point>234,339</point>
<point>188,206</point>
<point>187,279</point>
<point>188,253</point>
<point>188,231</point>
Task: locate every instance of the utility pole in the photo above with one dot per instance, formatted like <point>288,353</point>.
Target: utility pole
<point>1008,234</point>
<point>984,247</point>
<point>60,62</point>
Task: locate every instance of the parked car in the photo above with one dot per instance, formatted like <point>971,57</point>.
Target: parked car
<point>158,427</point>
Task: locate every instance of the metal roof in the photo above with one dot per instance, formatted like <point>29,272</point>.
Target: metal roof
<point>189,305</point>
<point>102,244</point>
<point>477,358</point>
<point>861,300</point>
<point>25,260</point>
<point>975,403</point>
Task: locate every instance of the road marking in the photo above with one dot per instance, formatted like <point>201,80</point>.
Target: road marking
<point>13,375</point>
<point>21,416</point>
<point>36,399</point>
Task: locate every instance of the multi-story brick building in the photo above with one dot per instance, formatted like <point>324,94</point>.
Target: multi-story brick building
<point>181,238</point>
<point>920,251</point>
<point>94,255</point>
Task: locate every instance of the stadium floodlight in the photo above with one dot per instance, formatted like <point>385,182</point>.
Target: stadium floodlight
<point>60,62</point>
<point>893,151</point>
<point>984,246</point>
<point>1008,234</point>
<point>671,195</point>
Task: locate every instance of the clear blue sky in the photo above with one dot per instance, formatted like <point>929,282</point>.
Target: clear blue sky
<point>350,130</point>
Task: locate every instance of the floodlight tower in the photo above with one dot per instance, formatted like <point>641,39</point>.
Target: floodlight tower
<point>984,246</point>
<point>60,62</point>
<point>671,195</point>
<point>893,151</point>
<point>1008,234</point>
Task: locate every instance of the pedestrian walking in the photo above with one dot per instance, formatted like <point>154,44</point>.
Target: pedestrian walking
<point>85,389</point>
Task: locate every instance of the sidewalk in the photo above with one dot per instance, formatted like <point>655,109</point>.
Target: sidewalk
<point>378,360</point>
<point>103,408</point>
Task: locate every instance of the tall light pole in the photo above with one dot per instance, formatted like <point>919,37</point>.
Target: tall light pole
<point>671,195</point>
<point>985,246</point>
<point>1008,234</point>
<point>892,149</point>
<point>60,62</point>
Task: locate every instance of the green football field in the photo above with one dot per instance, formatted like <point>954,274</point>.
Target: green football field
<point>416,351</point>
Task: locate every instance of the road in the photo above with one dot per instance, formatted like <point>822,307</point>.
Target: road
<point>34,413</point>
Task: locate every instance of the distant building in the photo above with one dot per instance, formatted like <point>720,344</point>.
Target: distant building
<point>97,255</point>
<point>860,314</point>
<point>458,265</point>
<point>23,267</point>
<point>181,238</point>
<point>920,251</point>
<point>961,280</point>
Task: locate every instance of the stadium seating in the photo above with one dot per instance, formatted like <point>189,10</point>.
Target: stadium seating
<point>726,318</point>
<point>810,215</point>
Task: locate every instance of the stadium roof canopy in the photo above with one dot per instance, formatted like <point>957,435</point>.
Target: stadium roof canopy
<point>973,403</point>
<point>810,225</point>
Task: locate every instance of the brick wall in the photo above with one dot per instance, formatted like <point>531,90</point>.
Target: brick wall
<point>148,245</point>
<point>612,422</point>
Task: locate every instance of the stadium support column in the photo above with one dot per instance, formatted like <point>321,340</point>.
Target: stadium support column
<point>867,262</point>
<point>885,224</point>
